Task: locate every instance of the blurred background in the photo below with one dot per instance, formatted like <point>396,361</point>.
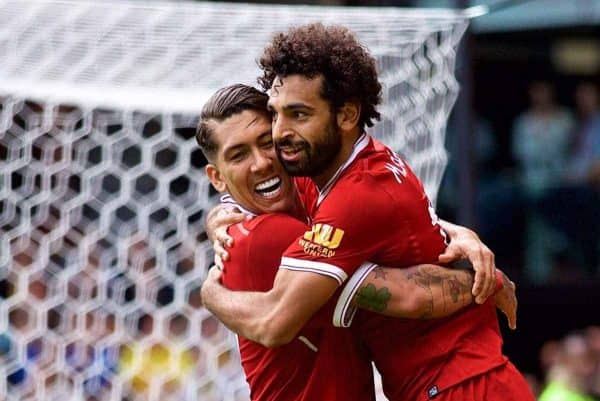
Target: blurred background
<point>523,142</point>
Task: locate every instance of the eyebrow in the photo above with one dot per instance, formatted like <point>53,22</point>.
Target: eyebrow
<point>292,106</point>
<point>264,134</point>
<point>238,146</point>
<point>231,149</point>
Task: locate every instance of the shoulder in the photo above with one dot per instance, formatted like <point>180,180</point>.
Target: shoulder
<point>270,220</point>
<point>381,176</point>
<point>256,253</point>
<point>268,227</point>
<point>274,228</point>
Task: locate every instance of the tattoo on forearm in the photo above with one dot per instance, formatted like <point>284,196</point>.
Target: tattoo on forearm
<point>380,273</point>
<point>455,287</point>
<point>424,281</point>
<point>371,298</point>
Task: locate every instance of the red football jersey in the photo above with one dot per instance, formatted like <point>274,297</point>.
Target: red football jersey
<point>323,363</point>
<point>375,209</point>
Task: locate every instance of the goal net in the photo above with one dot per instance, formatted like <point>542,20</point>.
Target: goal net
<point>102,193</point>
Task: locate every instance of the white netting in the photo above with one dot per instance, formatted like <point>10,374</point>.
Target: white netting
<point>102,194</point>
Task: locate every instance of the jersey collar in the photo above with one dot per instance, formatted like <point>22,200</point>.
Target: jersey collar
<point>360,144</point>
<point>228,200</point>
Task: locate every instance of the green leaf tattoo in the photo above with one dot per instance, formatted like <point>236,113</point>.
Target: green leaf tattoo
<point>372,298</point>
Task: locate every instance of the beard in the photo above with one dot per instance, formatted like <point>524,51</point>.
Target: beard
<point>315,158</point>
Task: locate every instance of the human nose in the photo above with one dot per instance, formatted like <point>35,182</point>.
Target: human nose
<point>280,129</point>
<point>262,161</point>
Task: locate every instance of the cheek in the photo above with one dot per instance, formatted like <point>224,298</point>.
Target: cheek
<point>271,153</point>
<point>237,176</point>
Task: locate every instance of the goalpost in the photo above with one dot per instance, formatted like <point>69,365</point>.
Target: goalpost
<point>102,193</point>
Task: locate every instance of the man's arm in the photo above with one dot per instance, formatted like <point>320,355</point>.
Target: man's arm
<point>429,292</point>
<point>464,244</point>
<point>270,318</point>
<point>419,292</point>
<point>275,317</point>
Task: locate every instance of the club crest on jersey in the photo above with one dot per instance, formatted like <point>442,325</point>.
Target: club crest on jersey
<point>321,240</point>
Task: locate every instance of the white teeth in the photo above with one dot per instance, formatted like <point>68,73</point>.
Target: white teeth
<point>269,194</point>
<point>268,183</point>
<point>269,188</point>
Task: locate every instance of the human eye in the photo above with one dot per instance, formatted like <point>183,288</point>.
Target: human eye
<point>267,143</point>
<point>300,114</point>
<point>237,156</point>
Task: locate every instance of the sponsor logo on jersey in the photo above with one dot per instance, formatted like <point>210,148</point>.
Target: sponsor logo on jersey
<point>322,240</point>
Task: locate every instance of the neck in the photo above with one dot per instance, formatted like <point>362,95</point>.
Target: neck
<point>298,210</point>
<point>348,141</point>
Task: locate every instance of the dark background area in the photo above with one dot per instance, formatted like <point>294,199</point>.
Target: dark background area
<point>548,313</point>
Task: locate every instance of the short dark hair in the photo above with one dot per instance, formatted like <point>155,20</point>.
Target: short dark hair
<point>223,104</point>
<point>349,71</point>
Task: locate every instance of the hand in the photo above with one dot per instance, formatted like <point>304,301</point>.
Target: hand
<point>465,244</point>
<point>210,284</point>
<point>506,301</point>
<point>218,221</point>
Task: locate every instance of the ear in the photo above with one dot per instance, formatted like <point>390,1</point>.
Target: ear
<point>348,116</point>
<point>215,177</point>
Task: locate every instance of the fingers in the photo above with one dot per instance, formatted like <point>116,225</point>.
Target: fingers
<point>490,263</point>
<point>222,223</point>
<point>214,273</point>
<point>506,301</point>
<point>512,319</point>
<point>512,323</point>
<point>480,274</point>
<point>221,235</point>
<point>219,262</point>
<point>478,283</point>
<point>511,316</point>
<point>229,219</point>
<point>465,244</point>
<point>221,254</point>
<point>221,217</point>
<point>476,255</point>
<point>449,255</point>
<point>485,277</point>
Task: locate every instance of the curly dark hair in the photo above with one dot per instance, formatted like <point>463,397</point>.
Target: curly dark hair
<point>349,71</point>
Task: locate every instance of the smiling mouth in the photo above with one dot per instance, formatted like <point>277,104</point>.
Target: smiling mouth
<point>269,188</point>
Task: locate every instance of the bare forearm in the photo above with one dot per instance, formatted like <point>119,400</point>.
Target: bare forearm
<point>419,292</point>
<point>270,318</point>
<point>241,312</point>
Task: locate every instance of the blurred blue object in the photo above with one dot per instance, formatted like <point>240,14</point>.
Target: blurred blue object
<point>17,377</point>
<point>5,344</point>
